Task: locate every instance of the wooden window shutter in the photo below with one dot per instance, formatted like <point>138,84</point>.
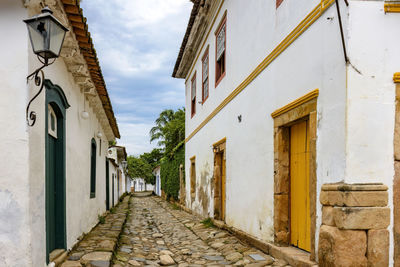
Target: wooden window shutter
<point>221,42</point>
<point>205,68</point>
<point>194,88</point>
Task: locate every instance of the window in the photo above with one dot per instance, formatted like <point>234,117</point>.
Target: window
<point>220,54</point>
<point>205,76</point>
<point>193,95</point>
<point>93,169</point>
<point>52,122</point>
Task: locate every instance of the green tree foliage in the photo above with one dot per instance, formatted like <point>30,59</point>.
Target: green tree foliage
<point>153,157</point>
<point>170,171</point>
<point>169,129</point>
<point>138,167</point>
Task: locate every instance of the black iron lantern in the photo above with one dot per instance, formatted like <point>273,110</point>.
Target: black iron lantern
<point>47,37</point>
<point>46,34</point>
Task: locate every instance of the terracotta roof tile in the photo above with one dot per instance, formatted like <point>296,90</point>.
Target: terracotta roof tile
<point>78,22</point>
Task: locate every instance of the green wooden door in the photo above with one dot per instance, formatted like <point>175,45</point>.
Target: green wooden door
<point>55,168</point>
<point>107,185</point>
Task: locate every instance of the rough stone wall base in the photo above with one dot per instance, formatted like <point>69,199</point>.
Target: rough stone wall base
<point>354,222</point>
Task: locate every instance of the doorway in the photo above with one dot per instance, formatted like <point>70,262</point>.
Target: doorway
<point>112,189</point>
<point>219,180</point>
<point>55,193</point>
<point>295,134</point>
<point>299,186</point>
<point>107,185</point>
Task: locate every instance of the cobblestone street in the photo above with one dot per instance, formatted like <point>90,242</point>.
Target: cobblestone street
<point>158,233</point>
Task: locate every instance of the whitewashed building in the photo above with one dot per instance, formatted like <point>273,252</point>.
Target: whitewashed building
<point>157,186</point>
<point>284,98</point>
<point>140,185</point>
<point>119,183</point>
<point>53,173</point>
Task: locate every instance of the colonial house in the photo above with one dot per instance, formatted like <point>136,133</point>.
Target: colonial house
<point>293,120</point>
<point>56,128</point>
<point>157,186</point>
<point>119,183</point>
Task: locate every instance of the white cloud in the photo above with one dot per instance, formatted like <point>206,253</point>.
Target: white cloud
<point>147,12</point>
<point>137,42</point>
<point>136,138</point>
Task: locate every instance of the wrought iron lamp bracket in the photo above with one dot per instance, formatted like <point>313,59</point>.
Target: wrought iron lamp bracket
<point>38,76</point>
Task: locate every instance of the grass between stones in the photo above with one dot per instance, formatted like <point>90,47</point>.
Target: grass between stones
<point>116,258</point>
<point>208,222</point>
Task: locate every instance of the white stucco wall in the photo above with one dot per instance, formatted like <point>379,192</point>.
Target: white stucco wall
<point>157,185</point>
<point>373,48</point>
<point>314,60</point>
<point>15,234</point>
<point>81,210</point>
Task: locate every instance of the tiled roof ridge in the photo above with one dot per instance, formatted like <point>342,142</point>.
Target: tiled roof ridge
<point>80,28</point>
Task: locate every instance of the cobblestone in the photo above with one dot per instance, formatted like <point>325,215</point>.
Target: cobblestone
<point>97,247</point>
<point>158,234</point>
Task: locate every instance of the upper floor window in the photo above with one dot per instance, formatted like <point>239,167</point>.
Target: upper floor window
<point>193,95</point>
<point>93,169</point>
<point>220,53</point>
<point>205,76</point>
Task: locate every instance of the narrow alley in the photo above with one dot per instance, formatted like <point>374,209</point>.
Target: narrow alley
<point>158,233</point>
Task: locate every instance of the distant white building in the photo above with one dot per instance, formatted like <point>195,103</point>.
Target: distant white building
<point>157,174</point>
<point>140,185</point>
<point>118,183</point>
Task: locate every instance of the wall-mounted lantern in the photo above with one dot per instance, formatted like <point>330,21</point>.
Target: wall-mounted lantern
<point>124,164</point>
<point>47,37</point>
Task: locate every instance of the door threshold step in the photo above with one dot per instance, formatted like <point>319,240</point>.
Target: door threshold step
<point>58,256</point>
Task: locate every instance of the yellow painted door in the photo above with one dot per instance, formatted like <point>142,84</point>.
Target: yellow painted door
<point>299,186</point>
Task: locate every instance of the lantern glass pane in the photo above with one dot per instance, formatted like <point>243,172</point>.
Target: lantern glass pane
<point>57,34</point>
<point>38,32</point>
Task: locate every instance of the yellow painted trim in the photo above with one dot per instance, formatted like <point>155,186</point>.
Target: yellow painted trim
<point>396,77</point>
<point>293,35</point>
<point>392,7</point>
<point>294,104</point>
<point>205,40</point>
<point>223,140</point>
<point>192,158</point>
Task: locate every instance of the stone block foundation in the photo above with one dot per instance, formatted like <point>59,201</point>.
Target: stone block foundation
<point>354,222</point>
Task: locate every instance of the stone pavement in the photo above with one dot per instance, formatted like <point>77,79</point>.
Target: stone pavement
<point>158,233</point>
<point>97,247</point>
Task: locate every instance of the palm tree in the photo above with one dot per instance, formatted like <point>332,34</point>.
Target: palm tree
<point>158,131</point>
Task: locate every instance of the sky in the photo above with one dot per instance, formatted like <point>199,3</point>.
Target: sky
<point>137,43</point>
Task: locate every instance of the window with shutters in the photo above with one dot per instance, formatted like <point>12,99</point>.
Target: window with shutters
<point>204,75</point>
<point>220,51</point>
<point>193,95</point>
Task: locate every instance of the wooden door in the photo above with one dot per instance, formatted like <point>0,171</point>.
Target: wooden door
<point>55,185</point>
<point>112,189</point>
<point>107,185</point>
<point>299,186</point>
<point>220,185</point>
